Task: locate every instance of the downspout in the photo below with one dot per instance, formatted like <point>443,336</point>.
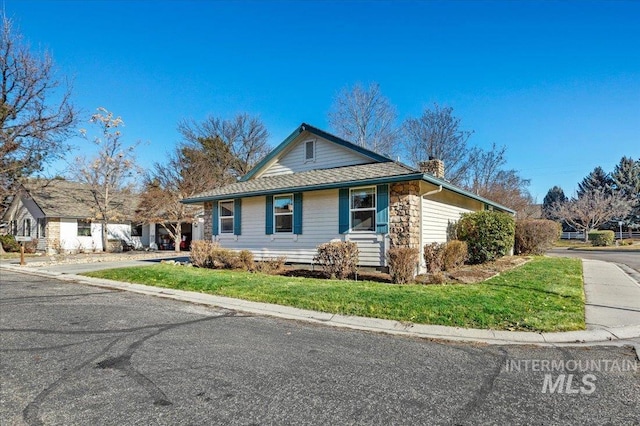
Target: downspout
<point>434,191</point>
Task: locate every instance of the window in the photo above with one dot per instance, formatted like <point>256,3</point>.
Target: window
<point>283,213</point>
<point>226,217</point>
<point>40,224</point>
<point>84,228</point>
<point>309,151</point>
<point>26,227</point>
<point>14,227</point>
<point>363,209</point>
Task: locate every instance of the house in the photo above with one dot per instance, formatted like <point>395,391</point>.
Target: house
<point>57,214</point>
<point>315,187</point>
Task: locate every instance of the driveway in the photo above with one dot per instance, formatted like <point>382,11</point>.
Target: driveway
<point>631,259</point>
<point>75,354</point>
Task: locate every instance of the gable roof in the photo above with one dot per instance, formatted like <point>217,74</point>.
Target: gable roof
<point>273,155</point>
<point>67,199</point>
<point>382,170</point>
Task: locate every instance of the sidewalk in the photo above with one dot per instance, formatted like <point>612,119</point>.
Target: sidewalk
<point>612,310</point>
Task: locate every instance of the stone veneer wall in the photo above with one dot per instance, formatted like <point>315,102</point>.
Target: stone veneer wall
<point>208,221</point>
<point>404,214</point>
<point>52,232</point>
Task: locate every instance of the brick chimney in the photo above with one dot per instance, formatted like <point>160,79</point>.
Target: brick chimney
<point>434,167</point>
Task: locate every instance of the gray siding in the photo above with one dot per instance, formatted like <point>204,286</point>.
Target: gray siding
<point>328,155</point>
<point>319,225</point>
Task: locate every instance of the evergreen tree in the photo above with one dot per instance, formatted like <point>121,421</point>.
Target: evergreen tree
<point>626,180</point>
<point>597,180</point>
<point>554,195</point>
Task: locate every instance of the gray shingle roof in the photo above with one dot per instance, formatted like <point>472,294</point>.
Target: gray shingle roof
<point>62,198</point>
<point>308,180</point>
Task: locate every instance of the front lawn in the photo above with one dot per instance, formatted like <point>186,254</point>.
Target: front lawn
<point>545,294</point>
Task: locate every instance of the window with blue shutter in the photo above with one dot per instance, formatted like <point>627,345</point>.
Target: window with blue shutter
<point>237,215</point>
<point>382,209</point>
<point>214,219</point>
<point>268,218</point>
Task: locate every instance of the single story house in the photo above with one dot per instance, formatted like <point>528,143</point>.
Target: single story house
<point>315,187</point>
<point>57,214</point>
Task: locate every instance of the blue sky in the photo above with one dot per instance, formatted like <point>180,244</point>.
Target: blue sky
<point>558,83</point>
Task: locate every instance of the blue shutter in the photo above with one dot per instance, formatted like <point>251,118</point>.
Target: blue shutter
<point>343,210</point>
<point>297,213</point>
<point>216,212</point>
<point>237,215</point>
<point>382,209</point>
<point>268,217</point>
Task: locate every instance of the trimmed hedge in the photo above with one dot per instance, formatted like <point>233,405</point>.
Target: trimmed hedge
<point>402,264</point>
<point>535,236</point>
<point>488,234</point>
<point>601,238</point>
<point>338,259</point>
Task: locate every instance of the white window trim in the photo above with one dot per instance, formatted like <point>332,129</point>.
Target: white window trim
<point>351,210</point>
<point>78,228</point>
<point>275,228</point>
<point>26,230</point>
<point>220,217</point>
<point>313,158</point>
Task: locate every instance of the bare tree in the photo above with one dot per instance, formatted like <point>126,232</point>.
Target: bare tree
<point>108,172</point>
<point>165,186</point>
<point>36,115</point>
<point>229,148</point>
<point>365,117</point>
<point>591,210</point>
<point>488,178</point>
<point>437,134</point>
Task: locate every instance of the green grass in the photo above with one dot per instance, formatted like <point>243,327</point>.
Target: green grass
<point>545,294</point>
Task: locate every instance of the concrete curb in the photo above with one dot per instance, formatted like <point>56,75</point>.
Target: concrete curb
<point>599,335</point>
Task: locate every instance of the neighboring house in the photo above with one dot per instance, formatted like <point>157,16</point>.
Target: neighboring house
<point>57,214</point>
<point>315,187</point>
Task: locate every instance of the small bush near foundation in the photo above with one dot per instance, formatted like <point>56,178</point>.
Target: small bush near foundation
<point>208,254</point>
<point>489,234</point>
<point>200,253</point>
<point>9,243</point>
<point>402,264</point>
<point>454,254</point>
<point>433,257</point>
<point>246,259</point>
<point>270,266</point>
<point>601,238</point>
<point>338,259</point>
<point>535,236</point>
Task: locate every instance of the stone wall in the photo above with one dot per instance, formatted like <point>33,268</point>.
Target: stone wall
<point>404,214</point>
<point>52,232</point>
<point>208,221</point>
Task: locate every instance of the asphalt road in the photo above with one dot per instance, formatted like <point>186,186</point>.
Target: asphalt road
<point>631,259</point>
<point>75,354</point>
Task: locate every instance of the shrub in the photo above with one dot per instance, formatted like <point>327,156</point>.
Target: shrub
<point>601,238</point>
<point>270,266</point>
<point>208,254</point>
<point>338,259</point>
<point>488,234</point>
<point>402,264</point>
<point>627,242</point>
<point>433,257</point>
<point>535,236</point>
<point>199,255</point>
<point>246,259</point>
<point>454,254</point>
<point>9,243</point>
